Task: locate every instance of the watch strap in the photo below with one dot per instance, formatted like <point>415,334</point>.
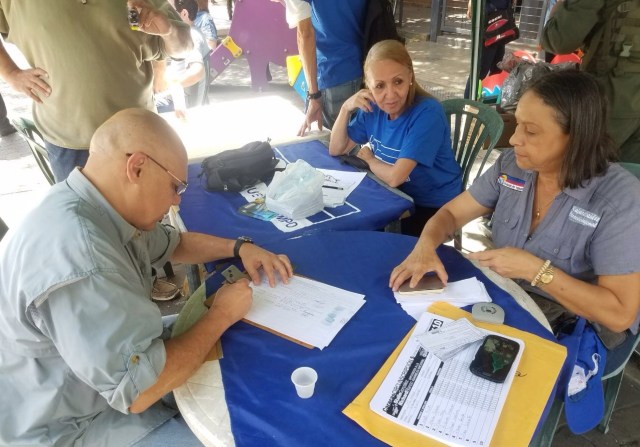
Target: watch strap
<point>316,95</point>
<point>542,270</point>
<point>236,247</point>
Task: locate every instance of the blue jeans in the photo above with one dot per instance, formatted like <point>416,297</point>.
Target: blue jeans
<point>64,160</point>
<point>334,97</point>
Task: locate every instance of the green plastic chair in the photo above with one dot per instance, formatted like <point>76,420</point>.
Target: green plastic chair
<point>633,168</point>
<point>473,126</point>
<point>34,139</point>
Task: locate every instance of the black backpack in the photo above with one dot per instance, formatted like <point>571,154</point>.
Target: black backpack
<point>379,24</point>
<point>238,169</point>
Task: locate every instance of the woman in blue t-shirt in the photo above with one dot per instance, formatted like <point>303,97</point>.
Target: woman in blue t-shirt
<point>406,136</point>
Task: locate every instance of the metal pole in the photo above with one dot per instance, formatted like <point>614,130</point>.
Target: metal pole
<point>477,40</point>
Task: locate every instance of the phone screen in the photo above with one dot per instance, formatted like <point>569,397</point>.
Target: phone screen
<point>494,358</point>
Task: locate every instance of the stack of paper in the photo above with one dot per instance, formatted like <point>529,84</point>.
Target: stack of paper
<point>457,293</point>
<point>338,185</point>
<point>308,311</point>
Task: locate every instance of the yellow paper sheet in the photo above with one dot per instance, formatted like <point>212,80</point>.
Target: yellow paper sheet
<point>536,375</point>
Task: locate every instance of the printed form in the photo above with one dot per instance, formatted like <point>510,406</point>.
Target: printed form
<point>306,310</point>
<point>442,399</point>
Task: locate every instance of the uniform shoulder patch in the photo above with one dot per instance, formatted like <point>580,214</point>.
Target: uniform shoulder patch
<point>511,182</point>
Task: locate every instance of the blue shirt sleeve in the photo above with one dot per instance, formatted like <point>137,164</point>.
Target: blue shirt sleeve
<point>357,128</point>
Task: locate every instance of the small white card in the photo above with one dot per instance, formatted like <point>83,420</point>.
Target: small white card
<point>451,338</point>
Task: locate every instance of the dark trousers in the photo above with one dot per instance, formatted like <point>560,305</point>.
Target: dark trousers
<point>64,160</point>
<point>414,224</point>
<point>558,316</point>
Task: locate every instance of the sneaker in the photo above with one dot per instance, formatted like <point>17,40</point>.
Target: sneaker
<point>164,290</point>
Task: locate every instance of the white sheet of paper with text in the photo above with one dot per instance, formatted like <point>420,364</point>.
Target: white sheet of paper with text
<point>304,309</point>
<point>442,400</point>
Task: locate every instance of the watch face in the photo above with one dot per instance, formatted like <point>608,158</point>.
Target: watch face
<point>546,277</point>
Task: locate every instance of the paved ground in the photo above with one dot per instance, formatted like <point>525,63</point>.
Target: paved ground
<point>442,69</point>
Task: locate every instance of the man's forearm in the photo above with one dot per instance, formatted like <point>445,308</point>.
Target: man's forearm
<point>197,248</point>
<point>185,354</point>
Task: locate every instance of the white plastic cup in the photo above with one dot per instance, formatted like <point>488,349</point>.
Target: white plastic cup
<point>304,378</point>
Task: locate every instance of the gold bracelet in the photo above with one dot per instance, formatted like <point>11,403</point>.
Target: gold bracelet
<point>544,267</point>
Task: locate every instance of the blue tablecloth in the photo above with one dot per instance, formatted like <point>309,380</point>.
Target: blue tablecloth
<point>256,368</point>
<point>372,205</point>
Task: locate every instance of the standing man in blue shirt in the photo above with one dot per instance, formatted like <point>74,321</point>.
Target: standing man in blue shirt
<point>82,359</point>
<point>334,29</point>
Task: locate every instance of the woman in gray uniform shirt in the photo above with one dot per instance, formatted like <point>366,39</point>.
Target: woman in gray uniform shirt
<point>566,219</point>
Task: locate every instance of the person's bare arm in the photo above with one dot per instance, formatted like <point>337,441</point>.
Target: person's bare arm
<point>29,81</point>
<point>614,301</point>
<point>197,248</point>
<point>393,175</point>
<point>307,48</point>
<point>440,228</point>
<point>340,143</point>
<point>185,353</point>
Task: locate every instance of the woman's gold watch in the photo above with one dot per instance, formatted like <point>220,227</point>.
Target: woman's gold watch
<point>544,276</point>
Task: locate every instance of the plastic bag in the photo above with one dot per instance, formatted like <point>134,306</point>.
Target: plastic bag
<point>297,191</point>
<point>521,73</point>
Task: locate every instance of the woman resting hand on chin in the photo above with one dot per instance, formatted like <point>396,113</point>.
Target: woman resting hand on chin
<point>407,136</point>
<point>566,220</point>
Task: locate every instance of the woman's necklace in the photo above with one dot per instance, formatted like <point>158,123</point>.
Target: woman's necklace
<point>540,209</point>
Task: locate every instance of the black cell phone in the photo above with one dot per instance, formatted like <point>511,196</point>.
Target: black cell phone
<point>494,358</point>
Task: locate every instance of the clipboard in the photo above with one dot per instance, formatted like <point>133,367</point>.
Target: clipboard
<point>538,371</point>
<point>231,275</point>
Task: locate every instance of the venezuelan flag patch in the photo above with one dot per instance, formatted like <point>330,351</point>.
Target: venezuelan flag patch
<point>511,182</point>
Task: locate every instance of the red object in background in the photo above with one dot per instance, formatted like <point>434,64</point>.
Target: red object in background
<point>561,58</point>
<point>494,80</point>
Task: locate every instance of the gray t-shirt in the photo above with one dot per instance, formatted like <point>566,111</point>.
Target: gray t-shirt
<point>587,232</point>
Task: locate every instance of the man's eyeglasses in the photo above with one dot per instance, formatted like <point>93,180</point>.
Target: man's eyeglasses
<point>181,187</point>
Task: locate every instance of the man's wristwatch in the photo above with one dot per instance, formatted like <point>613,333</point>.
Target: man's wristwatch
<point>316,95</point>
<point>241,240</point>
<point>544,276</point>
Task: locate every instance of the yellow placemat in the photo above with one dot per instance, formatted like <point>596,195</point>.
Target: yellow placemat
<point>537,373</point>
